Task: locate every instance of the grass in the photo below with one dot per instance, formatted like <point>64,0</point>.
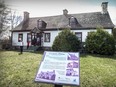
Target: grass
<point>20,70</point>
<point>98,71</point>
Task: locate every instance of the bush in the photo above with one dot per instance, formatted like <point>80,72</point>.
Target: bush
<point>100,42</point>
<point>66,41</point>
<point>114,33</point>
<point>6,44</point>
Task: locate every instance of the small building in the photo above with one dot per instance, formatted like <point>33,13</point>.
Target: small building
<point>41,31</point>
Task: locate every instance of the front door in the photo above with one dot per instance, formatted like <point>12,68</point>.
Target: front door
<point>38,42</point>
<point>36,39</point>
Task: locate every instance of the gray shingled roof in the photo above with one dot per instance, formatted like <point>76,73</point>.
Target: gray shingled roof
<point>85,20</point>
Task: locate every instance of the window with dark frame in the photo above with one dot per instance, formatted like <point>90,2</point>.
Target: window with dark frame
<point>28,37</point>
<point>20,37</point>
<point>79,35</point>
<point>47,37</point>
<point>33,38</point>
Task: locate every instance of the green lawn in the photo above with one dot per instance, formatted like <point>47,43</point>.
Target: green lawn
<point>20,70</point>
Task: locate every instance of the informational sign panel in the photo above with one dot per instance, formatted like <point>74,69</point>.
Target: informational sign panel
<point>59,68</point>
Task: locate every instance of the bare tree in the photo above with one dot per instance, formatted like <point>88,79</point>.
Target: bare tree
<point>14,19</point>
<point>4,11</point>
<point>9,19</point>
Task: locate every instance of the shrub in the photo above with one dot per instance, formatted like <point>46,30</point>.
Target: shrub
<point>114,33</point>
<point>66,41</point>
<point>100,42</point>
<point>6,44</point>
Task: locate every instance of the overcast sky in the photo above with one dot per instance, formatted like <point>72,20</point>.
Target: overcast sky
<point>39,8</point>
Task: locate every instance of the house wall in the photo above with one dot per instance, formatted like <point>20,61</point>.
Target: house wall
<point>85,32</point>
<point>15,38</point>
<point>55,33</point>
<point>52,37</point>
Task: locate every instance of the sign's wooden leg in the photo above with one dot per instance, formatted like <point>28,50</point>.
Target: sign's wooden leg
<point>58,85</point>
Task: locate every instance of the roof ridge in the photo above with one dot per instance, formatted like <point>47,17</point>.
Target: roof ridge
<point>68,14</point>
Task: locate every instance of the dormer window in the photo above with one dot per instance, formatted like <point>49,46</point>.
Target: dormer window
<point>73,22</point>
<point>41,24</point>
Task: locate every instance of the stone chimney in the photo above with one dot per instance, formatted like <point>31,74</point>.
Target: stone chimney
<point>104,7</point>
<point>65,12</point>
<point>26,16</point>
<point>25,20</point>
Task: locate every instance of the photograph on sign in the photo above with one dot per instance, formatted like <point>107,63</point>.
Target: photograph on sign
<point>59,68</point>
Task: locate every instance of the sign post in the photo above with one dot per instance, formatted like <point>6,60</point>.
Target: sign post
<point>59,68</point>
<point>58,86</point>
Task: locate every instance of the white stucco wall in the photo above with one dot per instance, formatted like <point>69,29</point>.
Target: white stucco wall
<point>55,33</point>
<point>52,37</point>
<point>15,38</point>
<point>85,33</point>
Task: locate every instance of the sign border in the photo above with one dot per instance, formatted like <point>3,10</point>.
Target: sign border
<point>56,82</point>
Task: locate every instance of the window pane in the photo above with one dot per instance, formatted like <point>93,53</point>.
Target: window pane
<point>28,37</point>
<point>79,35</point>
<point>47,37</point>
<point>20,37</point>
